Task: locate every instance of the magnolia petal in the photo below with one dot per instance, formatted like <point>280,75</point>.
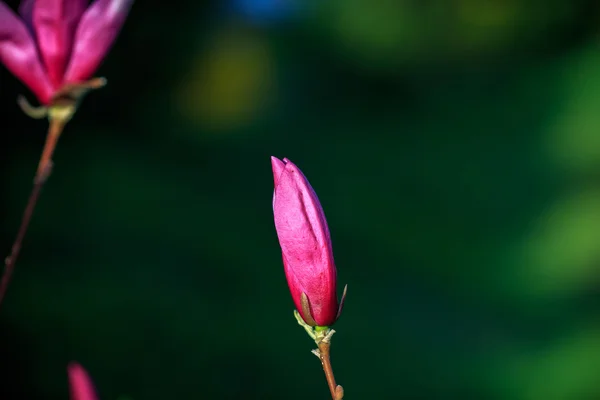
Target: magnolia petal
<point>18,53</point>
<point>97,31</point>
<point>278,166</point>
<point>80,383</point>
<point>299,219</point>
<point>26,12</point>
<point>55,22</point>
<point>294,284</point>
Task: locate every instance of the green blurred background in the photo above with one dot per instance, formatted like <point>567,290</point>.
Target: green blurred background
<point>455,147</point>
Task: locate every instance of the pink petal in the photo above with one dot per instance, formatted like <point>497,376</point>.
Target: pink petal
<point>55,22</point>
<point>80,383</point>
<point>26,12</point>
<point>278,166</point>
<point>96,33</point>
<point>299,218</point>
<point>18,53</point>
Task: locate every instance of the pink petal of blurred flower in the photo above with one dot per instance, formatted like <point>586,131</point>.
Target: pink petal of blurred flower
<point>99,27</point>
<point>26,12</point>
<point>80,383</point>
<point>55,22</point>
<point>18,52</point>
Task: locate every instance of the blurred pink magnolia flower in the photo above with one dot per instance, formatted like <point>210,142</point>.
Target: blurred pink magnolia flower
<point>58,42</point>
<point>305,245</point>
<point>80,383</point>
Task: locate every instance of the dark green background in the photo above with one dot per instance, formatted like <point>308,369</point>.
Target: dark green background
<point>455,147</point>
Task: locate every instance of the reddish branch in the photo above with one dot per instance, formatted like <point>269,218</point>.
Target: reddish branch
<point>337,392</point>
<point>42,174</point>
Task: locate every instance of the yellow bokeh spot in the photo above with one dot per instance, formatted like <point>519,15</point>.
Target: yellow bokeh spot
<point>229,85</point>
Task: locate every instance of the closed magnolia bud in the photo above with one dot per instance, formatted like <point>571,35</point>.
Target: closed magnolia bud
<point>305,245</point>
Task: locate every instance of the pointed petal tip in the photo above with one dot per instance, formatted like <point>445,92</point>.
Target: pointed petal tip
<point>290,165</point>
<point>277,166</point>
<point>284,161</point>
<point>73,365</point>
<point>77,373</point>
<point>80,382</point>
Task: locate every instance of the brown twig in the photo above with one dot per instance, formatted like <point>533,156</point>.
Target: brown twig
<point>42,174</point>
<point>337,392</point>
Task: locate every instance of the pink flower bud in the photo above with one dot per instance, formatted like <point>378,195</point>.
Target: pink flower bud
<point>58,42</point>
<point>80,383</point>
<point>305,245</point>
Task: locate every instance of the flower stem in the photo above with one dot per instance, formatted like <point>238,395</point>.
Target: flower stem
<point>337,392</point>
<point>42,174</point>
